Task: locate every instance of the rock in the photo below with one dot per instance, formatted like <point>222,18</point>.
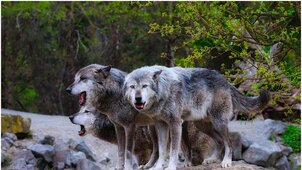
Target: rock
<point>273,128</point>
<point>85,164</point>
<point>81,146</point>
<point>263,153</point>
<point>15,124</point>
<point>246,143</point>
<point>26,155</point>
<point>6,143</point>
<point>11,136</point>
<point>60,146</point>
<point>48,140</point>
<point>76,157</point>
<point>236,165</point>
<point>286,150</point>
<point>282,164</point>
<point>62,158</point>
<point>44,151</point>
<point>18,164</point>
<point>295,161</point>
<point>105,161</point>
<point>41,163</point>
<point>236,145</point>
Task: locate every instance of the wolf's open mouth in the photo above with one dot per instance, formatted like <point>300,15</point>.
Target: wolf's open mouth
<point>82,98</point>
<point>139,105</point>
<point>82,131</point>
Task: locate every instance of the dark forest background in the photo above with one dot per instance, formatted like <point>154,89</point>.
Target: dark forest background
<point>254,44</point>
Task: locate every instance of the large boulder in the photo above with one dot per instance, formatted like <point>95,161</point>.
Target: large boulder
<point>44,151</point>
<point>15,124</point>
<point>263,153</point>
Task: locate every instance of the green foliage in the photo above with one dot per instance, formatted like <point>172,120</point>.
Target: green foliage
<point>292,137</point>
<point>6,161</point>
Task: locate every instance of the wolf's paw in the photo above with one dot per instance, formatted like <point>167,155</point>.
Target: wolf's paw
<point>209,161</point>
<point>226,163</point>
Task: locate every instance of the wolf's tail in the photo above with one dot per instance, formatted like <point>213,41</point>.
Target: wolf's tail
<point>247,104</point>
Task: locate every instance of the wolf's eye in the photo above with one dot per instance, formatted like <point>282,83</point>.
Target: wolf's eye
<point>145,85</point>
<point>132,86</point>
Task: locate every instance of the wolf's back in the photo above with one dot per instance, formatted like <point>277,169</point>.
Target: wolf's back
<point>247,104</point>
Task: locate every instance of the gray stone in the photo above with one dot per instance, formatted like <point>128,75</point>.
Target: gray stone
<point>44,151</point>
<point>25,154</point>
<point>12,136</point>
<point>286,150</point>
<point>6,143</point>
<point>264,153</point>
<point>282,164</point>
<point>246,142</point>
<point>30,167</point>
<point>76,157</point>
<point>62,157</point>
<point>273,127</point>
<point>81,146</point>
<point>60,146</point>
<point>60,165</point>
<point>18,164</point>
<point>105,161</point>
<point>295,160</point>
<point>85,164</point>
<point>48,140</point>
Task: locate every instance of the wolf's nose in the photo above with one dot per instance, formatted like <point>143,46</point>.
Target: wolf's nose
<point>71,118</point>
<point>68,90</point>
<point>138,99</point>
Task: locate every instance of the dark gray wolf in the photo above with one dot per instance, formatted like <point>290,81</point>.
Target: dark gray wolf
<point>100,87</point>
<point>98,124</point>
<point>172,95</point>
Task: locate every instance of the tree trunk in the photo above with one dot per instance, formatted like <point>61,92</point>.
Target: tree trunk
<point>67,104</point>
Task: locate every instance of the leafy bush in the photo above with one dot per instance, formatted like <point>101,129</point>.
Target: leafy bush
<point>291,137</point>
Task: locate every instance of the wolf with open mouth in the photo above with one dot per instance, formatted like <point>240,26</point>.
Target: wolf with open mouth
<point>100,87</point>
<point>98,124</point>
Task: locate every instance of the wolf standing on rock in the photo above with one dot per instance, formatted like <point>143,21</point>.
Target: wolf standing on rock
<point>173,95</point>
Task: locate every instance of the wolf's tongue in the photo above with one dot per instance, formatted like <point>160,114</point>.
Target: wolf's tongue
<point>82,98</point>
<point>139,106</point>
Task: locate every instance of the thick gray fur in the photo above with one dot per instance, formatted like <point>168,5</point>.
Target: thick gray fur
<point>103,87</point>
<point>174,95</point>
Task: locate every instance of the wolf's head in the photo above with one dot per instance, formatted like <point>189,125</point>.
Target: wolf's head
<point>141,88</point>
<point>86,118</point>
<point>88,80</point>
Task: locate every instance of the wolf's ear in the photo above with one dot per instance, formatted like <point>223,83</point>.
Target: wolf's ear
<point>156,74</point>
<point>105,70</point>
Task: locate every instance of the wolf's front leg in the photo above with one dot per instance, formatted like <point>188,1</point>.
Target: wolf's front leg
<point>175,136</point>
<point>162,131</point>
<point>130,134</point>
<point>154,155</point>
<point>121,140</point>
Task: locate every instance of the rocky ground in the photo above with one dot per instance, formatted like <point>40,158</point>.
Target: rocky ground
<point>56,140</point>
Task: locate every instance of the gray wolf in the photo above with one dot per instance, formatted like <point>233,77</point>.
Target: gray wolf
<point>98,124</point>
<point>172,95</point>
<point>100,87</point>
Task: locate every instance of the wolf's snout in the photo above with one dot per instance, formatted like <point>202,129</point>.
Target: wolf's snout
<point>68,89</point>
<point>138,99</point>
